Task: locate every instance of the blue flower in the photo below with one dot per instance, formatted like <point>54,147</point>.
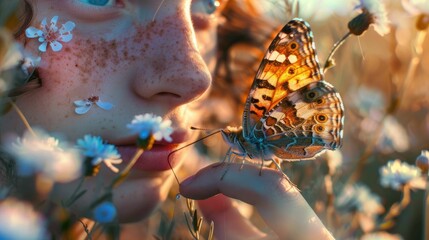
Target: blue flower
<point>105,212</point>
<point>94,148</point>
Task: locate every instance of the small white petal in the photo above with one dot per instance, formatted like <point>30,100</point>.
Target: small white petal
<point>65,37</point>
<point>42,47</point>
<point>81,103</point>
<point>82,110</point>
<point>110,165</point>
<point>44,23</point>
<point>67,27</point>
<point>104,105</point>
<point>33,32</point>
<point>54,20</point>
<point>56,46</point>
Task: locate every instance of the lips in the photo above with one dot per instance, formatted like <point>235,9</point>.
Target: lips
<point>156,159</point>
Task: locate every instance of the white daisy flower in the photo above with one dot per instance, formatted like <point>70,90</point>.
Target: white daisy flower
<point>396,174</point>
<point>19,220</point>
<point>150,125</point>
<point>41,153</point>
<point>50,34</point>
<point>373,13</point>
<point>97,151</point>
<point>358,197</point>
<point>83,106</point>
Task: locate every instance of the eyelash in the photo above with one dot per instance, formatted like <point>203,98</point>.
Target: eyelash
<point>85,10</point>
<point>108,4</point>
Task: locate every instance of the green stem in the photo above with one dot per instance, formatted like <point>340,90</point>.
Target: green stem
<point>337,45</point>
<point>426,218</point>
<point>124,173</point>
<point>23,119</point>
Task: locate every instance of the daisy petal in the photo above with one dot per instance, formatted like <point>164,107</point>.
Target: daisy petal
<point>54,20</point>
<point>66,37</point>
<point>82,110</point>
<point>56,46</point>
<point>104,105</point>
<point>67,27</point>
<point>80,103</point>
<point>44,23</point>
<point>33,32</point>
<point>42,47</point>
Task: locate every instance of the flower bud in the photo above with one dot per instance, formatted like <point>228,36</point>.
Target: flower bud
<point>422,161</point>
<point>422,22</point>
<point>360,23</point>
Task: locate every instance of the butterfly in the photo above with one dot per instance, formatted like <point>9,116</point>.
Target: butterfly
<point>291,112</point>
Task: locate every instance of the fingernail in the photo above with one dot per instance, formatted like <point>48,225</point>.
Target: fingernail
<point>188,181</point>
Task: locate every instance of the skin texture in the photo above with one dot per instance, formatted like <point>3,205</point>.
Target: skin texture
<point>148,60</point>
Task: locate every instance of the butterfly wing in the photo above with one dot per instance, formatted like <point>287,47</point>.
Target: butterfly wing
<point>289,64</point>
<point>304,123</point>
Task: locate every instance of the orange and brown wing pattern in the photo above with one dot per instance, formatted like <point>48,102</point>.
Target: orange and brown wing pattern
<point>289,64</point>
<point>304,123</point>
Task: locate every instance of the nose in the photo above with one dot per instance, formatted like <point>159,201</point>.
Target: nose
<point>171,67</point>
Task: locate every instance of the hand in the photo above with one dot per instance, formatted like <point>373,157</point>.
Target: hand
<point>278,202</point>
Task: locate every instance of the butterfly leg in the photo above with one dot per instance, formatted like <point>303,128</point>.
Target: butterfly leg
<point>281,170</point>
<point>232,156</point>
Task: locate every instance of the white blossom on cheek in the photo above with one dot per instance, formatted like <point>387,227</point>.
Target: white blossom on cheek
<point>50,34</point>
<point>83,106</point>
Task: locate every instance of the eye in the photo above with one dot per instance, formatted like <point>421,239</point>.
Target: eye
<point>99,2</point>
<point>212,5</point>
<point>205,6</point>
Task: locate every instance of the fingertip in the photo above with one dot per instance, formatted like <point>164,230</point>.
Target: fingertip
<point>200,186</point>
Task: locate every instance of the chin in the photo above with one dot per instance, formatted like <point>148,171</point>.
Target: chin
<point>137,199</point>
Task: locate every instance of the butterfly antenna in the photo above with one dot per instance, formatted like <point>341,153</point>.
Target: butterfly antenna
<point>187,145</point>
<point>199,129</point>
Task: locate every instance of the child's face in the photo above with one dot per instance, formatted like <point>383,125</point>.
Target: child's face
<point>140,66</point>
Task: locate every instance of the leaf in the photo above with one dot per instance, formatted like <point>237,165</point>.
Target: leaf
<point>195,221</point>
<point>211,231</point>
